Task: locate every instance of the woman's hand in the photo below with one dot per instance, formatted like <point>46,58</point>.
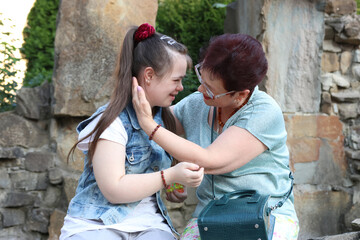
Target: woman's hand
<point>142,107</point>
<point>176,196</point>
<point>188,174</point>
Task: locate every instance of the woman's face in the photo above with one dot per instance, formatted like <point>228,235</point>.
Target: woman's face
<point>162,91</point>
<point>215,85</point>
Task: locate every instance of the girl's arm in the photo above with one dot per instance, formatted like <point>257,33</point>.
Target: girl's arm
<point>118,187</point>
<point>232,149</point>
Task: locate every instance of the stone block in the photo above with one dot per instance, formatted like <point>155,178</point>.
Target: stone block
<point>4,179</point>
<point>299,126</point>
<point>300,78</point>
<point>304,150</point>
<point>329,33</point>
<point>55,176</point>
<point>352,214</point>
<point>29,181</point>
<point>352,29</point>
<point>12,217</point>
<point>17,233</point>
<point>319,210</point>
<point>70,187</point>
<point>331,46</point>
<point>326,81</point>
<point>27,134</point>
<point>329,127</point>
<point>335,23</point>
<point>56,223</point>
<point>352,153</point>
<point>11,153</point>
<point>342,38</point>
<point>348,110</point>
<point>88,39</point>
<point>18,199</point>
<point>342,7</point>
<point>345,61</point>
<point>340,81</point>
<point>38,161</point>
<point>325,97</point>
<point>330,62</point>
<point>316,145</point>
<point>355,225</point>
<point>38,220</point>
<point>52,197</point>
<point>64,131</point>
<point>348,95</point>
<point>344,236</point>
<point>34,103</point>
<point>356,58</point>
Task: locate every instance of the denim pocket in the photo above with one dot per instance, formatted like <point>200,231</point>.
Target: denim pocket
<point>136,155</point>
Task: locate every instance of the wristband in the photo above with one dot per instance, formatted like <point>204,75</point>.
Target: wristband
<point>163,179</point>
<point>153,132</point>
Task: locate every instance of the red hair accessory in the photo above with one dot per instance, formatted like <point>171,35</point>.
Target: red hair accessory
<point>144,31</point>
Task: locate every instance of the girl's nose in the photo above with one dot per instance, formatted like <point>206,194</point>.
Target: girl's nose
<point>180,87</point>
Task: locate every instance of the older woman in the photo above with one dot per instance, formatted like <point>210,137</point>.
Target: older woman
<point>249,151</point>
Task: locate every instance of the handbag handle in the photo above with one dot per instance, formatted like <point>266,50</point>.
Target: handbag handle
<point>255,197</point>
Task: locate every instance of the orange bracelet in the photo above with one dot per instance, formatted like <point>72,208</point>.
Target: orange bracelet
<point>153,132</point>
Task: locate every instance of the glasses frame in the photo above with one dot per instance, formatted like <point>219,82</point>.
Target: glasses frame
<point>208,91</point>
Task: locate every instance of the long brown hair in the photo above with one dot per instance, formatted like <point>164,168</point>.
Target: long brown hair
<point>133,58</point>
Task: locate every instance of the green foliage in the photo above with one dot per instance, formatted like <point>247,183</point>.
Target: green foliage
<point>38,47</point>
<point>7,71</point>
<point>358,6</point>
<point>193,23</point>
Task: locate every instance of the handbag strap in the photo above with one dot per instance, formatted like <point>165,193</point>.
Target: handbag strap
<point>279,204</point>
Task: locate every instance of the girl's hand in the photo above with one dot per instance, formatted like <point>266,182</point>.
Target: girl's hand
<point>176,196</point>
<point>185,173</point>
<point>141,105</point>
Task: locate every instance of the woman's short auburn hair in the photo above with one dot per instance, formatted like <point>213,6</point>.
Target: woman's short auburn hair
<point>237,59</point>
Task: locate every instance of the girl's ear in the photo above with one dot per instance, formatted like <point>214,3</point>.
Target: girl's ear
<point>149,73</point>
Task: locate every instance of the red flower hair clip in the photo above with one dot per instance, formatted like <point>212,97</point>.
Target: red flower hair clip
<point>144,31</point>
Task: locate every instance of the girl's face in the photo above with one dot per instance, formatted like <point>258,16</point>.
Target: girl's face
<point>162,91</point>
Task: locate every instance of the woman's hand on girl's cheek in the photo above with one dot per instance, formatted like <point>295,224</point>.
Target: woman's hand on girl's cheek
<point>141,105</point>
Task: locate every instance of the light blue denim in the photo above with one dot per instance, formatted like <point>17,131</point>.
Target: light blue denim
<point>142,156</point>
<point>268,173</point>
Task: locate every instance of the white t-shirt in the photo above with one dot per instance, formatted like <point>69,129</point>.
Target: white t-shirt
<point>145,214</point>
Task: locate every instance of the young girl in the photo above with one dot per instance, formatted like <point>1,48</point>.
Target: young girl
<point>118,193</point>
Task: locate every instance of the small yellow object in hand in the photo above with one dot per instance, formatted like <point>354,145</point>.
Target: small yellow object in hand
<point>176,186</point>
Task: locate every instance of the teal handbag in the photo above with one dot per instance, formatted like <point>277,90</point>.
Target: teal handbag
<point>237,215</point>
<point>242,214</point>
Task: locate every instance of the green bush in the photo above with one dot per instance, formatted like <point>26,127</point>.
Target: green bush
<point>7,70</point>
<point>191,22</point>
<point>38,47</point>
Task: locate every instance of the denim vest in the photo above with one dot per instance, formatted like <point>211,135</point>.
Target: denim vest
<point>142,156</point>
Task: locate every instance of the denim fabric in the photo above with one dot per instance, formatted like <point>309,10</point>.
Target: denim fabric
<point>142,156</point>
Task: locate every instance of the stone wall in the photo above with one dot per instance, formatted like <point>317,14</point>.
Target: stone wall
<point>312,48</point>
<point>314,72</point>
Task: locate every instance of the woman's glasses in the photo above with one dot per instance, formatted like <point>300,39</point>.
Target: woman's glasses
<point>208,91</point>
